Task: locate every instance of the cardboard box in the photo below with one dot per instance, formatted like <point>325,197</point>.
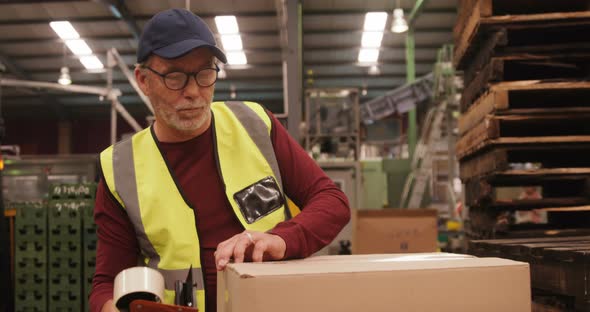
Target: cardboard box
<point>394,231</point>
<point>406,282</point>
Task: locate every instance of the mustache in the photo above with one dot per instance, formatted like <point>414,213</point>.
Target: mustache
<point>198,104</point>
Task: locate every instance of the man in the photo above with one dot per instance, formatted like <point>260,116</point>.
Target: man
<point>207,183</point>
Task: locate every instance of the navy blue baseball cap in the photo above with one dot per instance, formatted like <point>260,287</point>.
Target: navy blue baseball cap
<point>175,32</point>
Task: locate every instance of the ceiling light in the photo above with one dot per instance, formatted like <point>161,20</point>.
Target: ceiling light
<point>78,47</point>
<point>399,24</point>
<point>236,58</point>
<point>372,39</point>
<point>91,62</point>
<point>374,70</point>
<point>231,42</point>
<point>64,77</point>
<point>227,24</point>
<point>64,30</point>
<point>375,21</point>
<point>232,93</point>
<point>222,74</point>
<point>368,55</point>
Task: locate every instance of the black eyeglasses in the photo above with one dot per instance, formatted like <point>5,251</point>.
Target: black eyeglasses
<point>177,80</point>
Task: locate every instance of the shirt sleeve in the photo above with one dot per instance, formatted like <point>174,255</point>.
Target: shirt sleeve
<point>324,207</point>
<point>117,247</point>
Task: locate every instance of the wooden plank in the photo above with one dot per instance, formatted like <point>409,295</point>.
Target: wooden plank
<point>568,253</point>
<point>524,67</point>
<point>499,178</point>
<point>469,33</point>
<point>492,127</point>
<point>465,29</point>
<point>516,94</point>
<point>522,141</point>
<point>531,240</point>
<point>565,209</point>
<point>491,73</point>
<point>551,158</point>
<point>488,129</point>
<point>544,172</point>
<point>542,20</point>
<point>542,140</point>
<point>485,105</point>
<point>483,192</point>
<point>484,164</point>
<point>540,85</point>
<point>541,118</point>
<point>555,204</point>
<point>464,12</point>
<point>483,54</point>
<point>541,111</point>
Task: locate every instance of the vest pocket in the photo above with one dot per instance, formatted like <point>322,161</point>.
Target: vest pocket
<point>259,199</point>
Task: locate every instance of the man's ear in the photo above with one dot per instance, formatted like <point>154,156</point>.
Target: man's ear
<point>141,78</point>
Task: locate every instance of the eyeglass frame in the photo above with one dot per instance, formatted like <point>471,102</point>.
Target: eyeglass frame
<point>188,75</point>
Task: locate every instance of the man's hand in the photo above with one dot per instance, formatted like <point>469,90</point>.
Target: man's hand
<point>109,306</point>
<point>249,245</point>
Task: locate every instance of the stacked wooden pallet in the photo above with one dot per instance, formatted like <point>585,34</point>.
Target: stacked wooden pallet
<point>559,267</point>
<point>526,67</point>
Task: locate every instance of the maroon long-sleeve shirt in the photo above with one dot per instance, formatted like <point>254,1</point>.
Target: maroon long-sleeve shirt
<point>324,213</point>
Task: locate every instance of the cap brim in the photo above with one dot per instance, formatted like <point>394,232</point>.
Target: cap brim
<point>181,48</point>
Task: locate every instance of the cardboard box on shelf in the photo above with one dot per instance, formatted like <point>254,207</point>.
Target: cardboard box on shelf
<point>398,282</point>
<point>394,231</point>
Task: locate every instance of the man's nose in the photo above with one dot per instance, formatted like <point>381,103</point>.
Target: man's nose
<point>192,88</point>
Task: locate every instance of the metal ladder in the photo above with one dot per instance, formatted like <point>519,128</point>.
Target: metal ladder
<point>421,173</point>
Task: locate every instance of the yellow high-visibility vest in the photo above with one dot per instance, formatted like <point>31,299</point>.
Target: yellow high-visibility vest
<point>138,177</point>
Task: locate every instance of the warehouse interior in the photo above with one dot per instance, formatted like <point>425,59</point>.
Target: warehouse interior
<point>458,130</point>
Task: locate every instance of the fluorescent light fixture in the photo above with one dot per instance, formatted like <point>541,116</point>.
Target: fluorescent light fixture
<point>236,58</point>
<point>399,24</point>
<point>227,24</point>
<point>375,21</point>
<point>231,42</point>
<point>368,55</point>
<point>371,39</point>
<point>78,47</point>
<point>91,62</point>
<point>64,30</point>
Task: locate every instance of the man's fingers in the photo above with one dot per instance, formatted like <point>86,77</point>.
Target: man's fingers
<point>240,248</point>
<point>224,253</point>
<point>259,249</point>
<point>247,246</point>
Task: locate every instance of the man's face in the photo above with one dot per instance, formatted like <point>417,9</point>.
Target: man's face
<point>187,110</point>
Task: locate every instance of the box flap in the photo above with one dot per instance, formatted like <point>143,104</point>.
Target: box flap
<point>380,263</point>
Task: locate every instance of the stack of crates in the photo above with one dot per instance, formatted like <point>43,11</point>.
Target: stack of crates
<point>68,208</point>
<point>30,266</point>
<point>89,241</point>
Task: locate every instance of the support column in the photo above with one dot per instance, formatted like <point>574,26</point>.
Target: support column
<point>113,123</point>
<point>292,68</point>
<point>64,137</point>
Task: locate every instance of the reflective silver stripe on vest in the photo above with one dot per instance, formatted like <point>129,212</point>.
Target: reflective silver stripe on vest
<point>126,187</point>
<point>171,276</point>
<point>258,131</point>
